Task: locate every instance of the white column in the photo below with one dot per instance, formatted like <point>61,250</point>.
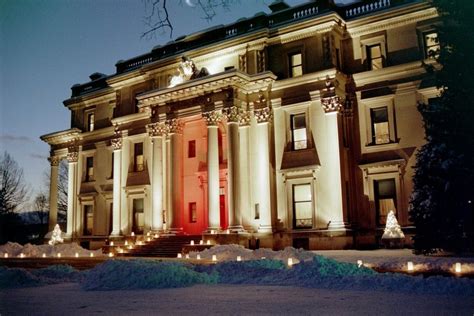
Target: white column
<point>117,189</point>
<point>332,107</point>
<point>176,175</point>
<point>262,177</point>
<point>156,132</point>
<point>72,158</point>
<point>233,167</point>
<point>245,201</point>
<point>212,119</point>
<point>53,192</point>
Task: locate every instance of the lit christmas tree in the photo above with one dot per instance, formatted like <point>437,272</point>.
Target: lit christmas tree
<point>56,236</point>
<point>392,228</point>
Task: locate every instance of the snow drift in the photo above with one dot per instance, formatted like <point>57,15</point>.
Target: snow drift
<point>14,249</point>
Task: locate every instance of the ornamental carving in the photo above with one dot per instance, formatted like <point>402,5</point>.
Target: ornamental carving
<point>174,126</point>
<point>157,129</point>
<point>329,100</point>
<point>243,62</point>
<point>72,156</point>
<point>261,60</point>
<point>54,160</point>
<point>232,114</point>
<point>212,118</point>
<point>244,118</point>
<point>187,70</point>
<point>263,115</point>
<point>116,143</point>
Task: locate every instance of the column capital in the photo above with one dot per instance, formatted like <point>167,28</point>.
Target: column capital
<point>330,101</point>
<point>212,118</point>
<point>72,156</point>
<point>263,115</point>
<point>116,143</point>
<point>54,161</point>
<point>174,126</point>
<point>232,114</point>
<point>245,117</point>
<point>157,129</point>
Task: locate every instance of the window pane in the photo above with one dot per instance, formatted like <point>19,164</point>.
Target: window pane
<point>302,192</point>
<point>138,216</point>
<point>375,51</point>
<point>386,188</point>
<point>296,71</point>
<point>382,133</point>
<point>295,59</point>
<point>303,216</point>
<point>299,139</point>
<point>379,115</point>
<point>191,149</point>
<point>88,220</point>
<point>299,121</point>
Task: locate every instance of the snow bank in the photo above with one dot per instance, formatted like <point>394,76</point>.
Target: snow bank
<point>143,274</point>
<point>18,277</point>
<point>29,250</point>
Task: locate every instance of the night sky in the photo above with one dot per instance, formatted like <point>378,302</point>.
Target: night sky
<point>47,46</point>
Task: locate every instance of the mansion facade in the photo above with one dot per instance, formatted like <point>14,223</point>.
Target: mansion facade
<point>298,127</point>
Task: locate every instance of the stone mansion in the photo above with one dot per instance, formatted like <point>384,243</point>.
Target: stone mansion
<point>298,127</point>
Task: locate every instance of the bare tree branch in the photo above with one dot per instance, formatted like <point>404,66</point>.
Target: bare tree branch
<point>13,190</point>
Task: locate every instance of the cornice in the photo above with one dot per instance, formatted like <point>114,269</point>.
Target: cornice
<point>389,73</point>
<point>92,98</point>
<point>391,19</point>
<point>61,136</point>
<point>319,76</point>
<point>131,118</point>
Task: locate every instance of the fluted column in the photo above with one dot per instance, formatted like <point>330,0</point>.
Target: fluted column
<point>332,108</point>
<point>212,119</point>
<point>175,130</point>
<point>72,158</point>
<point>117,189</point>
<point>244,175</point>
<point>157,131</point>
<point>233,166</point>
<point>263,117</point>
<point>53,192</point>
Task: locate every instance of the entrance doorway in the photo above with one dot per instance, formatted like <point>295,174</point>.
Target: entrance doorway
<point>222,209</point>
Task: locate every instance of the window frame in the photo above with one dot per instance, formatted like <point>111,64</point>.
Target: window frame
<point>371,59</point>
<point>192,148</point>
<point>136,156</point>
<point>89,177</point>
<point>373,129</point>
<point>377,198</point>
<point>192,207</point>
<point>425,45</point>
<point>86,231</point>
<point>295,203</point>
<point>372,41</point>
<point>291,66</point>
<point>293,129</point>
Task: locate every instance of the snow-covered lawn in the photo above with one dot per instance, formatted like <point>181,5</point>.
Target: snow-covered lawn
<point>314,284</point>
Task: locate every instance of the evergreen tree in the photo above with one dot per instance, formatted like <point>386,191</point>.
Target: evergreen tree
<point>443,198</point>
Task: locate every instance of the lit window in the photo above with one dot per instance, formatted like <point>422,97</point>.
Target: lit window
<point>296,65</point>
<point>138,157</point>
<point>432,47</point>
<point>88,220</point>
<point>302,205</point>
<point>192,212</point>
<point>375,57</point>
<point>89,169</point>
<point>90,122</point>
<point>385,199</point>
<point>138,216</point>
<point>380,126</point>
<point>298,131</point>
<point>191,149</point>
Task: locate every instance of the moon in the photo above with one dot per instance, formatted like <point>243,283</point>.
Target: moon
<point>189,3</point>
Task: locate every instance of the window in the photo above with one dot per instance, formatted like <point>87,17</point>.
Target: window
<point>88,220</point>
<point>302,205</point>
<point>192,212</point>
<point>374,57</point>
<point>296,65</point>
<point>431,42</point>
<point>385,199</point>
<point>90,122</point>
<point>298,131</point>
<point>138,157</point>
<point>138,216</point>
<point>380,127</point>
<point>191,149</point>
<point>89,169</point>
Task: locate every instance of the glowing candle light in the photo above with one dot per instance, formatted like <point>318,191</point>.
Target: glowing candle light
<point>410,266</point>
<point>126,243</point>
<point>187,256</point>
<point>111,254</point>
<point>214,258</point>
<point>59,255</point>
<point>44,255</point>
<point>227,232</point>
<point>201,242</point>
<point>180,256</point>
<point>148,233</point>
<point>91,254</point>
<point>22,255</point>
<point>198,257</point>
<point>290,262</point>
<point>77,255</point>
<point>457,267</point>
<point>156,236</point>
<point>263,258</point>
<point>208,242</point>
<point>239,258</point>
<point>5,255</point>
<point>111,243</point>
<point>359,263</point>
<point>148,239</point>
<point>130,247</point>
<point>192,242</point>
<point>133,234</point>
